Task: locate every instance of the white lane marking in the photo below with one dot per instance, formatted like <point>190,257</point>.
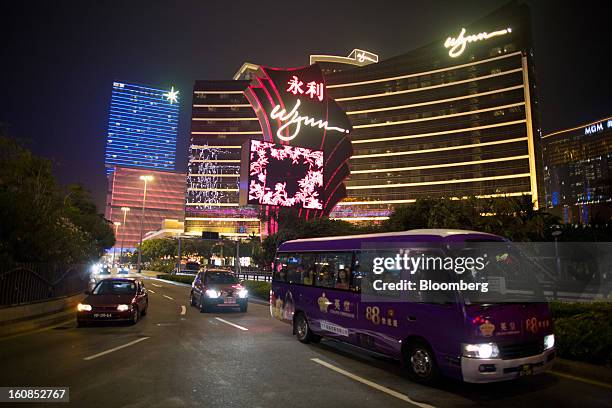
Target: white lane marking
<point>168,297</point>
<point>151,291</point>
<point>231,324</point>
<point>157,286</point>
<point>183,310</point>
<point>379,387</point>
<point>131,343</point>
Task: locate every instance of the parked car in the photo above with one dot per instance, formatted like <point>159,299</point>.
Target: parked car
<point>114,300</point>
<point>218,288</point>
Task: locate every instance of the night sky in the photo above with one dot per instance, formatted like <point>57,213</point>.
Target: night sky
<point>59,58</point>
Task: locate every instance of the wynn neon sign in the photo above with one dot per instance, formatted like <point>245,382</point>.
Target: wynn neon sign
<point>295,120</point>
<point>457,45</point>
<point>295,112</point>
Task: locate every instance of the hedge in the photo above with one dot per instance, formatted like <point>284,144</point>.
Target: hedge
<point>583,331</point>
<point>258,289</point>
<point>177,278</point>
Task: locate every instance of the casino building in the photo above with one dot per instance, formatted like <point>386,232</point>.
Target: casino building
<point>443,120</point>
<point>578,172</point>
<point>222,120</point>
<point>455,118</point>
<point>165,200</point>
<point>142,127</point>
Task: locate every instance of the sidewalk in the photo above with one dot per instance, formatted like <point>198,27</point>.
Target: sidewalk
<point>578,370</point>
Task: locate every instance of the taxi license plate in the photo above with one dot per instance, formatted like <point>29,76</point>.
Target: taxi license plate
<point>230,300</point>
<point>102,315</point>
<point>525,369</point>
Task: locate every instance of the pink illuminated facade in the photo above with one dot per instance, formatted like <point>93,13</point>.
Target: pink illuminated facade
<point>284,176</point>
<point>165,199</point>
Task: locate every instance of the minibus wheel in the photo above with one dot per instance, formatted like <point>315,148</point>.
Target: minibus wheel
<point>421,362</point>
<point>302,329</point>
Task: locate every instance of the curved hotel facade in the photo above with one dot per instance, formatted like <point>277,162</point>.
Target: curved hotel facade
<point>455,118</point>
<point>431,123</point>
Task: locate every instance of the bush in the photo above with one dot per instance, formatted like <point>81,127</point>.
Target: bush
<point>258,289</point>
<point>164,266</point>
<point>583,331</point>
<point>569,309</point>
<point>177,278</point>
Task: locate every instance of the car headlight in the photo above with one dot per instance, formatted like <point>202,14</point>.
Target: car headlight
<point>549,341</point>
<point>484,350</point>
<point>123,308</point>
<point>243,293</point>
<point>211,293</point>
<point>83,307</point>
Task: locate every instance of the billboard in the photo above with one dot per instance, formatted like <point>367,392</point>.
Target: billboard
<point>294,109</point>
<point>281,175</point>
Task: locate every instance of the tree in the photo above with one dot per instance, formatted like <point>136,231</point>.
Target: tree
<point>39,222</point>
<point>156,249</point>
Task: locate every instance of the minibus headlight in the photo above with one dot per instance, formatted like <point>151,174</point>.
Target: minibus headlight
<point>243,293</point>
<point>81,307</point>
<point>211,293</point>
<point>549,341</point>
<point>484,350</point>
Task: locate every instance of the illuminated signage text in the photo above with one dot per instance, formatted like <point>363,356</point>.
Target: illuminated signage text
<point>457,45</point>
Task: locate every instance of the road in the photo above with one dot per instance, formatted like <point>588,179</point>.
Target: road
<point>179,357</point>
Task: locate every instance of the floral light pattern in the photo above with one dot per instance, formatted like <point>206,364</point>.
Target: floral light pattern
<point>308,188</point>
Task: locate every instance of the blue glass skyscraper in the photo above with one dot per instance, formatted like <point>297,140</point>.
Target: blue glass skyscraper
<point>142,127</point>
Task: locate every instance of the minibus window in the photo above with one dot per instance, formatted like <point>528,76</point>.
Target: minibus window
<point>300,268</point>
<point>333,270</point>
<point>280,269</point>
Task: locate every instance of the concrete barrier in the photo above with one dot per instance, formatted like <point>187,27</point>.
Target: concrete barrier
<point>33,316</point>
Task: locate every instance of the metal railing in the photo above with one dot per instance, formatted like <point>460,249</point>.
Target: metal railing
<point>28,283</point>
<point>255,276</point>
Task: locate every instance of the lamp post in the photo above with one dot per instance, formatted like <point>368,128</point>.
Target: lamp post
<point>117,225</point>
<point>125,211</point>
<point>144,198</point>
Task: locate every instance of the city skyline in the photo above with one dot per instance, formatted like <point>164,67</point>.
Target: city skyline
<point>82,118</point>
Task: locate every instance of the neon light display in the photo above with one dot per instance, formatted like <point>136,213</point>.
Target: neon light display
<point>294,118</point>
<point>457,45</point>
<point>284,175</point>
<point>294,108</point>
<point>142,127</point>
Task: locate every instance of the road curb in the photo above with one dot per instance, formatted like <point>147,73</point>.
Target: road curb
<point>37,323</point>
<point>584,370</point>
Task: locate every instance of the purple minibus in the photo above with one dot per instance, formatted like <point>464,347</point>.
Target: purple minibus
<point>323,287</point>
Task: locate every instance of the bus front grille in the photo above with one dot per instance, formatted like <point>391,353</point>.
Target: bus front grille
<point>512,351</point>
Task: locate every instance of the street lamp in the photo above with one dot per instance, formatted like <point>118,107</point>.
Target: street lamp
<point>144,198</point>
<point>125,211</point>
<point>117,225</point>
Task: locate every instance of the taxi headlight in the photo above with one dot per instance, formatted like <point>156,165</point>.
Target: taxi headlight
<point>211,293</point>
<point>549,341</point>
<point>123,308</point>
<point>484,350</point>
<point>243,293</point>
<point>83,307</point>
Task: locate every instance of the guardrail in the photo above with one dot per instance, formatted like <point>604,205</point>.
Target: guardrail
<point>255,276</point>
<point>28,283</point>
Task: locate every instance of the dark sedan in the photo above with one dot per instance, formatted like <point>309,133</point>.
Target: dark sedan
<point>218,288</point>
<point>114,300</point>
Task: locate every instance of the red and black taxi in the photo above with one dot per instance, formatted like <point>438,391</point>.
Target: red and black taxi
<point>114,299</point>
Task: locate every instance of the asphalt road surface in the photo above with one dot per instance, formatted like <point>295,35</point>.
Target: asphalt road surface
<point>179,357</point>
